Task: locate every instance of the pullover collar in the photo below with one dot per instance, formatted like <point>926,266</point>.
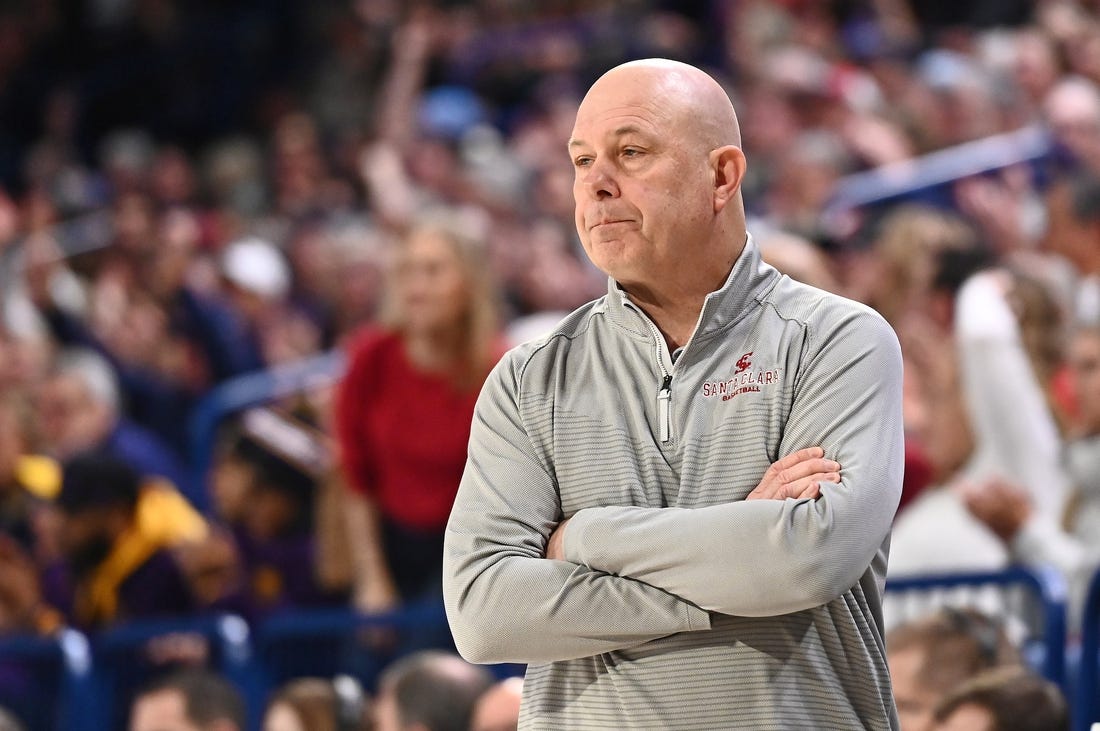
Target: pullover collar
<point>748,281</point>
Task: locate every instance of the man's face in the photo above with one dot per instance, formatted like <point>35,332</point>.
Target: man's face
<point>640,183</point>
<point>161,711</point>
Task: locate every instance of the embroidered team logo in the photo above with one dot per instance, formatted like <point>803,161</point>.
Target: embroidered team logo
<point>745,379</point>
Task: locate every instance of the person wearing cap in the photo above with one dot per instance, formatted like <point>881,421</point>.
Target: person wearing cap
<point>256,277</point>
<point>117,536</point>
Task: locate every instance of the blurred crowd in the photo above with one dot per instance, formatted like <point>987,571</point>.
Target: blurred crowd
<point>194,191</point>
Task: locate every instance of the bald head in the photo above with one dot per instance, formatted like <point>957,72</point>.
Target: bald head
<point>430,689</point>
<point>658,169</point>
<point>698,104</point>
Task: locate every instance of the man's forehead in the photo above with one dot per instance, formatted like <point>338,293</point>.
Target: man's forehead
<point>622,111</point>
<point>590,131</point>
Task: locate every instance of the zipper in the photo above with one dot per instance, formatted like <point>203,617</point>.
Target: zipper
<point>664,393</point>
<point>664,414</point>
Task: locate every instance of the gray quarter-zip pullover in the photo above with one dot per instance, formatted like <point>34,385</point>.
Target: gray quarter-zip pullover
<point>681,605</point>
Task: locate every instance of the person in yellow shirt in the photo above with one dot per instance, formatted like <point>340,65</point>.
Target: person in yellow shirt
<point>117,537</point>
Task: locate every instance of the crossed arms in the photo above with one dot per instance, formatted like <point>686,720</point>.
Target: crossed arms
<point>631,574</point>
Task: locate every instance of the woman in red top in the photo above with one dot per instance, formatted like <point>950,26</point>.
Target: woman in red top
<point>403,412</point>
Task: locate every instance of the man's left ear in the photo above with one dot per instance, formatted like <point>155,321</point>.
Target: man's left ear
<point>728,163</point>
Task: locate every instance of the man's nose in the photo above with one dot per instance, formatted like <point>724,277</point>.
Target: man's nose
<point>599,181</point>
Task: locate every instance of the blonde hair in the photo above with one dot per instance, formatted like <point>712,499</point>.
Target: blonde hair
<point>909,240</point>
<point>480,325</point>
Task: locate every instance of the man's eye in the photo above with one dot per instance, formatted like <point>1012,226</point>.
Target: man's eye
<point>631,152</point>
<point>582,161</point>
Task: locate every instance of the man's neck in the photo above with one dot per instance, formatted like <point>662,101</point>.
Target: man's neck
<point>674,304</point>
<point>676,321</point>
<point>675,312</point>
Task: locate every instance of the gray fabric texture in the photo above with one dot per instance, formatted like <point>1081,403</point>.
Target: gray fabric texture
<point>681,605</point>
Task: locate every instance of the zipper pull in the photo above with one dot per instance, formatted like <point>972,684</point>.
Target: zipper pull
<point>664,417</point>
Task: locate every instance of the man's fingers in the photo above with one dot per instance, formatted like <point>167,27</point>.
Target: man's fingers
<point>791,475</point>
<point>811,483</point>
<point>813,491</point>
<point>808,486</point>
<point>794,458</point>
<point>800,471</point>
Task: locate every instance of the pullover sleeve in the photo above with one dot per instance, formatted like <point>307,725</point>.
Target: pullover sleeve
<point>806,553</point>
<point>505,602</point>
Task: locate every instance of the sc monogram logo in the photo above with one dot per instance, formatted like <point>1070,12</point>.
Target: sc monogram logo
<point>743,363</point>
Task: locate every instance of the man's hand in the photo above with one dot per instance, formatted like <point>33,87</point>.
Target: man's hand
<point>555,547</point>
<point>798,475</point>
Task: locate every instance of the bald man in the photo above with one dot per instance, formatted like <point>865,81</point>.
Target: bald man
<point>677,505</point>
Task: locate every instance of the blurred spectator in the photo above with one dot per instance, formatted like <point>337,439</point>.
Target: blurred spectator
<point>1006,699</point>
<point>117,535</point>
<point>156,376</point>
<point>434,691</point>
<point>80,410</point>
<point>917,260</point>
<point>272,329</point>
<point>932,656</point>
<point>796,257</point>
<point>498,708</point>
<point>26,478</point>
<point>1010,511</point>
<point>1072,111</point>
<point>268,481</point>
<point>188,700</point>
<point>9,723</point>
<point>22,609</point>
<point>181,242</point>
<point>1008,332</point>
<point>316,704</point>
<point>404,409</point>
<point>1073,233</point>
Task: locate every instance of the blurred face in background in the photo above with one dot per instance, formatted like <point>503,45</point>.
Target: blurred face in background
<point>87,536</point>
<point>385,715</point>
<point>70,419</point>
<point>915,702</point>
<point>230,480</point>
<point>281,717</point>
<point>432,288</point>
<point>165,710</point>
<point>1084,363</point>
<point>968,717</point>
<point>11,442</point>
